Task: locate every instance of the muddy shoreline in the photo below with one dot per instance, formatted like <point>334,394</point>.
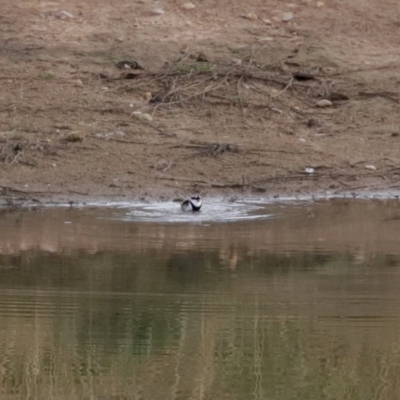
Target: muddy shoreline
<point>224,106</point>
<point>36,200</point>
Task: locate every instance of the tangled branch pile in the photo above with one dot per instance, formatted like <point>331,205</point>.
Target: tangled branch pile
<point>248,85</point>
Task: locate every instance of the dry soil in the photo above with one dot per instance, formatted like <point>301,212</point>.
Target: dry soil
<point>234,91</point>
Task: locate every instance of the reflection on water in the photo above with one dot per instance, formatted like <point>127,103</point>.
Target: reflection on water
<point>304,306</point>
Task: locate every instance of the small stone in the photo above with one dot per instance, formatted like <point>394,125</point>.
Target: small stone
<point>312,122</point>
<point>188,6</point>
<point>131,74</point>
<point>236,61</point>
<point>320,4</point>
<point>156,99</point>
<point>250,16</point>
<point>201,57</point>
<point>370,167</point>
<point>147,96</point>
<point>157,11</point>
<point>78,83</point>
<point>286,17</point>
<point>76,136</point>
<point>62,14</point>
<point>145,117</point>
<point>303,75</point>
<point>338,96</point>
<point>323,103</point>
<point>184,49</point>
<point>267,21</point>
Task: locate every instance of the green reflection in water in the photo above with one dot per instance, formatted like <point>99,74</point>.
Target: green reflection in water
<point>200,323</point>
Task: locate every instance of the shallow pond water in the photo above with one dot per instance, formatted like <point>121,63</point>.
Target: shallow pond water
<point>243,301</point>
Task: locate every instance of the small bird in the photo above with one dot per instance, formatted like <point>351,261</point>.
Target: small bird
<point>192,204</point>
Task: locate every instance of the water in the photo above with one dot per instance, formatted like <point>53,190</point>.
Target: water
<point>291,301</point>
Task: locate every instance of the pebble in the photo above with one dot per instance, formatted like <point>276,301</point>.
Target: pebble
<point>147,96</point>
<point>156,99</point>
<point>267,21</point>
<point>309,170</point>
<point>250,16</point>
<point>286,17</point>
<point>311,122</point>
<point>370,167</point>
<point>236,61</point>
<point>62,14</point>
<point>145,117</point>
<point>320,4</point>
<point>78,83</point>
<point>184,49</point>
<point>76,136</point>
<point>323,103</point>
<point>157,11</point>
<point>188,6</point>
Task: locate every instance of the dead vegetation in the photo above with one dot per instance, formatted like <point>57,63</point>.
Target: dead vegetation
<point>246,84</point>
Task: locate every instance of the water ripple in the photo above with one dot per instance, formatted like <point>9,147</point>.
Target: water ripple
<point>215,211</point>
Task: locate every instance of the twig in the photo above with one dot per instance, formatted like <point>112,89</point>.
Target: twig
<point>159,130</point>
<point>286,88</point>
<point>171,178</point>
<point>352,71</point>
<point>15,158</point>
<point>119,140</point>
<point>385,95</point>
<point>167,168</point>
